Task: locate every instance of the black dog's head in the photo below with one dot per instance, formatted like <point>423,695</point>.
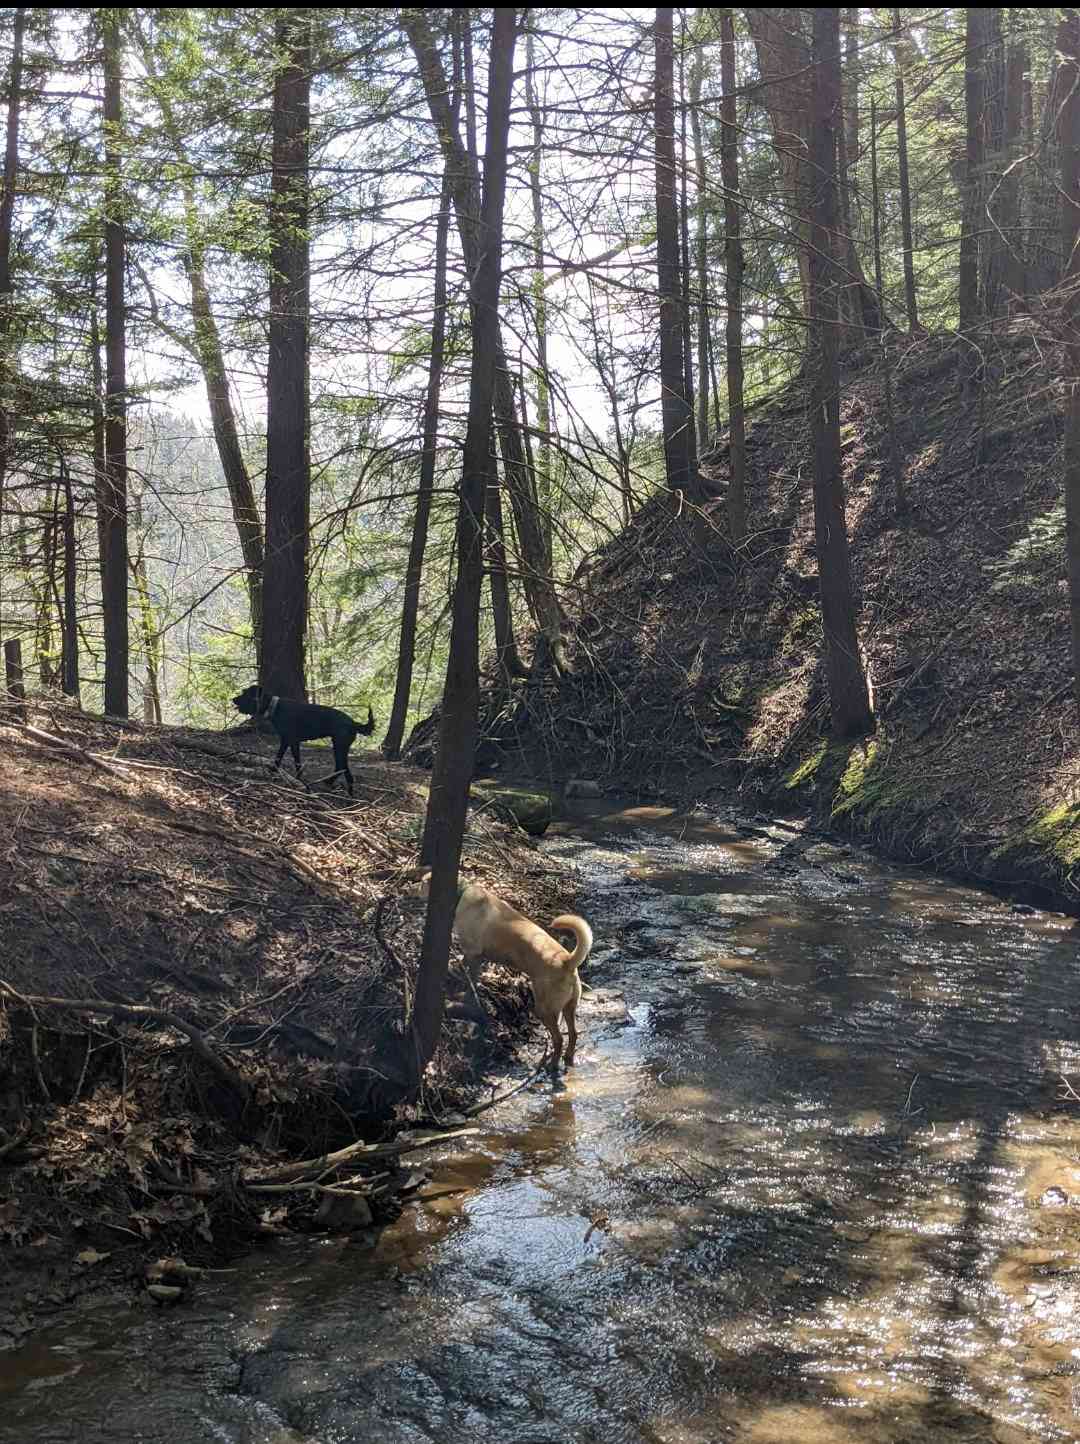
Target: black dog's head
<point>368,727</point>
<point>250,700</point>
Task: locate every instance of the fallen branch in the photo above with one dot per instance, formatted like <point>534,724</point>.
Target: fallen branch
<point>330,1161</point>
<point>70,749</point>
<point>135,1012</point>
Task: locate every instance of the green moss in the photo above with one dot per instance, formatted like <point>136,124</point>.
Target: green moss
<point>1056,832</point>
<point>859,763</point>
<point>867,785</point>
<point>806,769</point>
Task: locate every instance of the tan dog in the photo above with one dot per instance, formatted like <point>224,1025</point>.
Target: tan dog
<point>485,926</point>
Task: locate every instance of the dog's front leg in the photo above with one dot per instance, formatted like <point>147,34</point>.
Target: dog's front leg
<point>281,753</point>
<point>294,748</point>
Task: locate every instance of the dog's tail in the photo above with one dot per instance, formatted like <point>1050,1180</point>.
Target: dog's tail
<point>571,923</point>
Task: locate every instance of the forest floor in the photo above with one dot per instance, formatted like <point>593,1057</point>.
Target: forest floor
<point>169,871</point>
<point>698,667</point>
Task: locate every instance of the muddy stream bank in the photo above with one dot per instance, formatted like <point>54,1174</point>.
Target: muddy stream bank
<point>816,1177</point>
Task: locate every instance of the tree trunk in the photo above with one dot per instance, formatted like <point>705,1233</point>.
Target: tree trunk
<point>1012,251</point>
<point>414,570</point>
<point>7,215</point>
<point>1068,45</point>
<point>895,465</point>
<point>684,262</point>
<point>454,762</point>
<point>536,563</point>
<point>539,295</point>
<point>71,606</point>
<point>114,560</point>
<point>733,267</point>
<point>288,465</point>
<point>701,252</point>
<point>910,299</point>
<point>675,404</point>
<point>151,641</point>
<point>211,358</point>
<point>972,199</point>
<point>502,613</point>
<point>848,696</point>
<point>784,62</point>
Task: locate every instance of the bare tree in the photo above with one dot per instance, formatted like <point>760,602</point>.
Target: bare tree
<point>288,461</point>
<point>848,696</point>
<point>455,760</point>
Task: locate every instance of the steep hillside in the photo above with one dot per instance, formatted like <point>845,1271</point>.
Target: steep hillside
<point>697,667</point>
<point>200,962</point>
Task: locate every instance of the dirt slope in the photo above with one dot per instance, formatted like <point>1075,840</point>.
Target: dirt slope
<point>183,878</point>
<point>698,668</point>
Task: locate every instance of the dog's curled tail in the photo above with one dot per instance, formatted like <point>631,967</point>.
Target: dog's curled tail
<point>571,923</point>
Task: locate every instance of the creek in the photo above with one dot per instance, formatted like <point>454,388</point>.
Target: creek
<point>816,1177</point>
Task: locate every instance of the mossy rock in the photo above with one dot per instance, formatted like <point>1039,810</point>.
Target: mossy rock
<point>531,811</point>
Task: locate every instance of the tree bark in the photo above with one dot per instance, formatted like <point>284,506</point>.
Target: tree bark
<point>114,560</point>
<point>675,404</point>
<point>536,562</point>
<point>733,267</point>
<point>848,696</point>
<point>455,760</point>
<point>288,464</point>
<point>1068,45</point>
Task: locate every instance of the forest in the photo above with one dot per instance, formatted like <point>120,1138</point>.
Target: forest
<point>638,416</point>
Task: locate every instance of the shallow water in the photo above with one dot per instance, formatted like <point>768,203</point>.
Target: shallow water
<point>816,1177</point>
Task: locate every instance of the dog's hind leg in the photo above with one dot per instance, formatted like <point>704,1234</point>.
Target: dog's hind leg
<point>341,762</point>
<point>570,1014</point>
<point>551,1023</point>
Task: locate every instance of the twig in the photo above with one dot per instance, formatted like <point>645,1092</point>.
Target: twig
<point>35,1053</point>
<point>135,1012</point>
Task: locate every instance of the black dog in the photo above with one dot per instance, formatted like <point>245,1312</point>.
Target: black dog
<point>296,722</point>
